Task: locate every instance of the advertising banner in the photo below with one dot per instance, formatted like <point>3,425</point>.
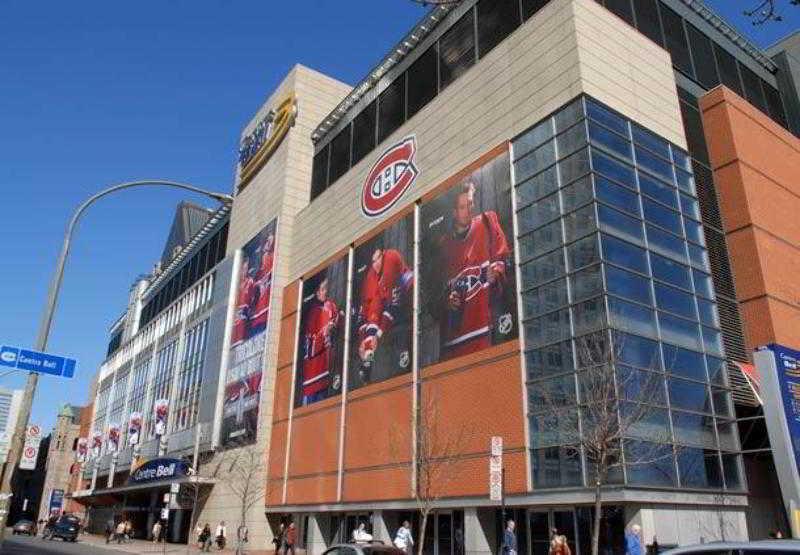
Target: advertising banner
<point>248,339</point>
<point>160,415</point>
<point>134,428</point>
<point>56,501</point>
<point>382,305</point>
<point>320,346</point>
<point>82,450</point>
<point>467,278</point>
<point>97,443</point>
<point>113,437</point>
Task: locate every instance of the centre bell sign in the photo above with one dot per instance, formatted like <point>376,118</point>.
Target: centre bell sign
<point>159,469</point>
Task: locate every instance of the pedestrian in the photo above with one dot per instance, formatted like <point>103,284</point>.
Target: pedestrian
<point>128,530</point>
<point>360,534</point>
<point>633,541</point>
<point>291,539</point>
<point>221,534</point>
<point>278,538</point>
<point>403,539</point>
<point>509,539</point>
<point>205,538</point>
<point>198,531</point>
<point>156,531</point>
<point>120,531</point>
<point>559,546</point>
<point>109,529</point>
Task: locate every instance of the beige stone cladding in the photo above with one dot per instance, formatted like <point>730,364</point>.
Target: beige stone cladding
<point>569,47</point>
<point>280,190</point>
<point>60,456</point>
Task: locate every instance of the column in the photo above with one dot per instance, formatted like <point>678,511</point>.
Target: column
<point>476,538</point>
<point>151,517</point>
<point>379,529</point>
<point>316,539</point>
<point>176,522</point>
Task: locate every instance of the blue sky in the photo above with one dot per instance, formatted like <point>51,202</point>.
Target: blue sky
<point>95,93</point>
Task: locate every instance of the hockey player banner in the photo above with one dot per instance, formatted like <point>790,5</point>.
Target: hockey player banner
<point>321,343</point>
<point>248,339</point>
<point>82,450</point>
<point>134,428</point>
<point>382,303</point>
<point>97,443</point>
<point>467,279</point>
<point>113,437</point>
<point>160,414</point>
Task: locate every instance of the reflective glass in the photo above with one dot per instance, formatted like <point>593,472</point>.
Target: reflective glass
<point>538,186</point>
<point>577,193</point>
<point>606,117</point>
<point>681,159</point>
<point>637,351</point>
<point>694,231</point>
<point>574,166</point>
<point>457,49</point>
<point>690,207</point>
<point>702,284</point>
<point>646,422</point>
<point>679,331</point>
<point>670,271</point>
<point>693,429</point>
<point>653,164</point>
<point>699,468</point>
<point>731,467</point>
<point>583,253</point>
<point>628,285</point>
<point>535,161</point>
<point>651,141</point>
<point>549,360</point>
<point>586,283</point>
<point>554,429</point>
<point>617,195</point>
<point>541,240</point>
<point>533,138</point>
<point>682,362</point>
<point>728,435</point>
<point>544,395</point>
<point>650,464</point>
<point>542,269</point>
<point>546,329</point>
<point>666,242</point>
<point>685,181</point>
<point>568,115</point>
<point>571,140</point>
<point>608,140</point>
<point>712,339</point>
<point>624,254</point>
<point>717,370</point>
<point>631,317</point>
<point>538,213</point>
<point>698,256</point>
<point>658,190</point>
<point>688,395</point>
<point>641,385</point>
<point>722,402</point>
<point>674,300</point>
<point>579,223</point>
<point>708,313</point>
<point>662,216</point>
<point>544,299</point>
<point>496,20</point>
<point>592,349</point>
<point>615,169</point>
<point>556,467</point>
<point>589,315</point>
<point>619,224</point>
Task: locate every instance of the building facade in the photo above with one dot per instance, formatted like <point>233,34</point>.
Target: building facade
<point>60,461</point>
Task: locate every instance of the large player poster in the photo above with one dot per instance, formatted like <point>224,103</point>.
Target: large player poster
<point>382,303</point>
<point>248,338</point>
<point>320,346</point>
<point>467,280</point>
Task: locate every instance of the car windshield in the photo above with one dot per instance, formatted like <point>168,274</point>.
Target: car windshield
<point>69,520</point>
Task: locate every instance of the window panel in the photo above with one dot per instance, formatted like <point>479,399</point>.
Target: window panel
<point>571,140</point>
<point>682,362</point>
<point>340,154</point>
<point>532,138</point>
<point>666,242</point>
<point>624,254</point>
<point>712,340</point>
<point>574,166</point>
<point>731,468</point>
<point>552,392</point>
<point>617,196</point>
<point>722,402</point>
<point>530,7</point>
<point>537,214</point>
<point>583,253</point>
<point>422,81</point>
<point>774,103</point>
<point>319,172</point>
<point>651,141</point>
<point>546,329</point>
<point>654,164</point>
<point>752,88</point>
<point>549,360</point>
<point>688,395</point>
<point>457,50</point>
<point>535,161</point>
<point>631,317</point>
<point>648,21</point>
<point>605,116</point>
<point>694,429</point>
<point>703,57</point>
<point>391,107</point>
<point>542,269</point>
<point>694,231</point>
<point>613,168</point>
<point>496,20</point>
<point>650,464</point>
<point>703,285</point>
<point>608,140</point>
<point>577,193</point>
<point>556,467</point>
<point>621,8</point>
<point>569,115</point>
<point>717,370</point>
<point>541,240</point>
<point>619,224</point>
<point>658,190</point>
<point>698,256</point>
<point>728,436</point>
<point>693,127</point>
<point>679,331</point>
<point>364,132</point>
<point>646,422</point>
<point>681,159</point>
<point>641,385</point>
<point>586,283</point>
<point>538,186</point>
<point>545,299</point>
<point>579,223</point>
<point>637,351</point>
<point>728,69</point>
<point>685,181</point>
<point>675,301</point>
<point>589,315</point>
<point>628,285</point>
<point>699,468</point>
<point>675,37</point>
<point>663,217</point>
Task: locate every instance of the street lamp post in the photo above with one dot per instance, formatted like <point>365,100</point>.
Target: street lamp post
<point>17,439</point>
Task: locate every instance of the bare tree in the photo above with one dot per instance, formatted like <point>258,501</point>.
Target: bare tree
<point>243,471</point>
<point>765,10</point>
<point>613,404</point>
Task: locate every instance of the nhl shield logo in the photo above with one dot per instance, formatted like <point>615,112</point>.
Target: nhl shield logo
<point>390,177</point>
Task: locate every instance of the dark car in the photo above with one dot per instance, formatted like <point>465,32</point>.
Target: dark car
<point>67,528</point>
<point>24,526</point>
<point>370,548</point>
<point>771,547</point>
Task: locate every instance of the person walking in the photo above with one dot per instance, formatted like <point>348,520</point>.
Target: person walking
<point>291,539</point>
<point>119,532</point>
<point>509,539</point>
<point>559,546</point>
<point>403,539</point>
<point>128,530</point>
<point>360,534</point>
<point>633,541</point>
<point>109,529</point>
<point>205,538</point>
<point>198,531</point>
<point>221,535</point>
<point>156,531</point>
<point>278,538</point>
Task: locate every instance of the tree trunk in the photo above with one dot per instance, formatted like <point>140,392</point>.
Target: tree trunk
<point>423,526</point>
<point>598,506</point>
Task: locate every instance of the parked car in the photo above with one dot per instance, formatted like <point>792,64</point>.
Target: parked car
<point>371,548</point>
<point>27,527</point>
<point>67,528</point>
<point>769,547</point>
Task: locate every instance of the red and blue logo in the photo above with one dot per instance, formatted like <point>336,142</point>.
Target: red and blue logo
<point>390,177</point>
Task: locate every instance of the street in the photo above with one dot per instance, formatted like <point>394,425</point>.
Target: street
<point>24,545</point>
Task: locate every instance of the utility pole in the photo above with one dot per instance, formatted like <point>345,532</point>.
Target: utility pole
<point>16,444</point>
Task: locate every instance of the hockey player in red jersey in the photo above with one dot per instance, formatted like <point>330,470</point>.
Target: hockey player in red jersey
<point>263,286</point>
<point>244,301</point>
<point>387,283</point>
<point>475,253</point>
<point>321,323</point>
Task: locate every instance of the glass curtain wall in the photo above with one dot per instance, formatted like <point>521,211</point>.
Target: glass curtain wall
<point>613,259</point>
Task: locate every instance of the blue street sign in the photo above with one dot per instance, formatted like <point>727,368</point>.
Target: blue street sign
<point>34,361</point>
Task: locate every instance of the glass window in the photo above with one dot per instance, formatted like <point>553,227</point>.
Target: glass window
<point>694,231</point>
<point>554,429</point>
<point>728,69</point>
<point>676,43</point>
<point>693,126</point>
<point>616,195</point>
<point>731,467</point>
<point>650,141</point>
<point>546,329</point>
<point>666,242</point>
<point>319,172</point>
<point>542,269</point>
<point>637,351</point>
<point>190,377</point>
<point>364,132</point>
<point>606,117</point>
<point>682,362</point>
<point>688,395</point>
<point>662,216</point>
<point>653,164</point>
<point>571,140</point>
<point>728,436</point>
<point>774,103</point>
<point>699,468</point>
<point>658,190</point>
<point>391,107</point>
<point>593,349</point>
<point>722,402</point>
<point>670,271</point>
<point>679,331</point>
<point>608,140</point>
<point>685,181</point>
<point>589,315</point>
<point>574,166</point>
<point>586,283</point>
<point>708,313</point>
<point>544,395</point>
<point>645,422</point>
<point>539,213</point>
<point>631,317</point>
<point>535,161</point>
<point>549,360</point>
<point>624,254</point>
<point>422,81</point>
<point>568,115</point>
<point>619,224</point>
<point>556,467</point>
<point>647,20</point>
<point>621,8</point>
<point>577,194</point>
<point>703,57</point>
<point>628,285</point>
<point>579,223</point>
<point>752,88</point>
<point>583,253</point>
<point>457,50</point>
<point>698,256</point>
<point>613,168</point>
<point>676,301</point>
<point>541,240</point>
<point>649,463</point>
<point>538,186</point>
<point>496,20</point>
<point>531,139</point>
<point>717,370</point>
<point>162,380</point>
<point>702,284</point>
<point>681,159</point>
<point>530,7</point>
<point>641,385</point>
<point>545,299</point>
<point>694,429</point>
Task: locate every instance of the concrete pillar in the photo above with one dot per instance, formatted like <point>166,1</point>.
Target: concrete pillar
<point>175,524</point>
<point>151,517</point>
<point>477,539</point>
<point>315,544</point>
<point>111,470</point>
<point>379,529</point>
<point>94,476</point>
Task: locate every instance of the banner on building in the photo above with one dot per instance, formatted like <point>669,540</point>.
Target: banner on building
<point>97,443</point>
<point>382,305</point>
<point>248,339</point>
<point>113,437</point>
<point>320,346</point>
<point>56,504</point>
<point>30,450</point>
<point>82,450</point>
<point>160,415</point>
<point>134,428</point>
<point>467,277</point>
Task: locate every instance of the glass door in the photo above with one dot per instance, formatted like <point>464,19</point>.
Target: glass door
<point>564,523</point>
<point>539,527</point>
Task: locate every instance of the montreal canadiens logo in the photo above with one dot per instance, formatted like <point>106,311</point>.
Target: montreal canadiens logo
<point>389,177</point>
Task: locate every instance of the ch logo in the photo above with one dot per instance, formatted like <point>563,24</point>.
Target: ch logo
<point>505,323</point>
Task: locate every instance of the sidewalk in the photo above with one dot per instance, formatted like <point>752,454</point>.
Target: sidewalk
<point>143,546</point>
